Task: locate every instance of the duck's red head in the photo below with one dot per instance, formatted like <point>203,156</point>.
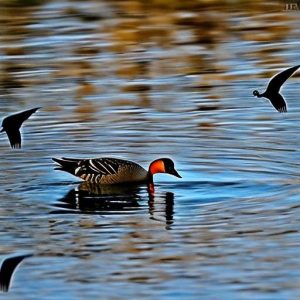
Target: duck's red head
<point>163,165</point>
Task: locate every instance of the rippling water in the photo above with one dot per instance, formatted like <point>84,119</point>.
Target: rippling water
<point>140,81</point>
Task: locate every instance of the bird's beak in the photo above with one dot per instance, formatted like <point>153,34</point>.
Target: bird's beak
<point>175,173</point>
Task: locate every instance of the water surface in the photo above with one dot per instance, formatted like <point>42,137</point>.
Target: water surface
<point>140,81</point>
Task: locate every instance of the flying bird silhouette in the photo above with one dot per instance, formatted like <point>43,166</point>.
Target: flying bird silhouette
<point>273,88</point>
<point>8,267</point>
<point>11,125</point>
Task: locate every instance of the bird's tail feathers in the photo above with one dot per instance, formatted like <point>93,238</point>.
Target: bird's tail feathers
<point>66,164</point>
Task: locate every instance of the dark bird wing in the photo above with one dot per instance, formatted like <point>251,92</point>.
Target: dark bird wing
<point>278,102</point>
<point>23,116</point>
<point>16,120</point>
<point>7,269</point>
<point>279,79</point>
<point>14,137</point>
<point>12,124</point>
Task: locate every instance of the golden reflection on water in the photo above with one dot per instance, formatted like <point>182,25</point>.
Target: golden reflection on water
<point>191,39</point>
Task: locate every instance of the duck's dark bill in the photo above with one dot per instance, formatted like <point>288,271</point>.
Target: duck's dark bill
<point>175,173</point>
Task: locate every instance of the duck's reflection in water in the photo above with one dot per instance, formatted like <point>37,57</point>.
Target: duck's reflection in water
<point>162,206</point>
<point>91,198</point>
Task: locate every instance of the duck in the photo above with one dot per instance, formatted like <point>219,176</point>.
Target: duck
<point>273,89</point>
<point>106,170</point>
<point>12,124</point>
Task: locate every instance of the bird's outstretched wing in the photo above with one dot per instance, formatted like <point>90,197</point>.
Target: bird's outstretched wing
<point>19,118</point>
<point>279,79</point>
<point>279,103</point>
<point>12,124</point>
<point>16,120</point>
<point>14,137</point>
<point>7,269</point>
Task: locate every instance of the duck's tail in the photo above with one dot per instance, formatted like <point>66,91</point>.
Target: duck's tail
<point>66,164</point>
